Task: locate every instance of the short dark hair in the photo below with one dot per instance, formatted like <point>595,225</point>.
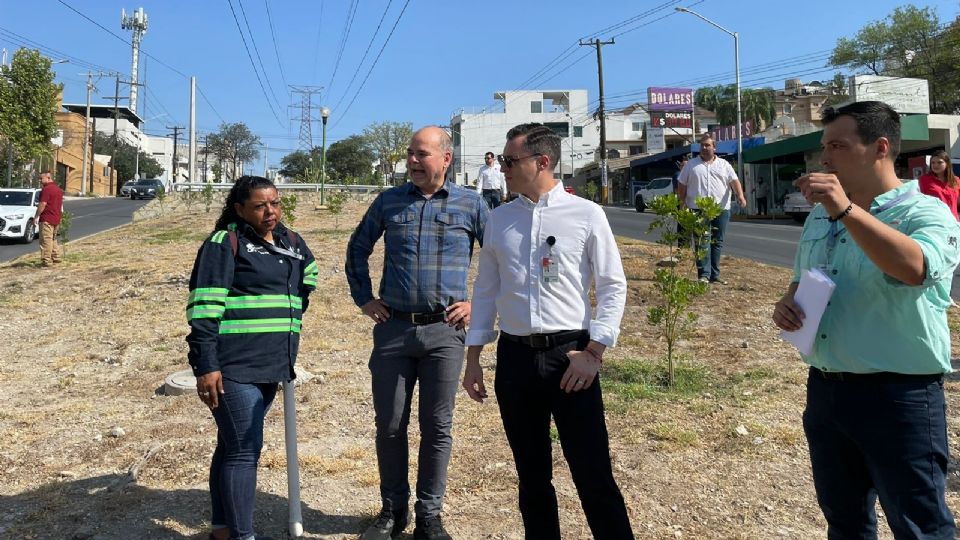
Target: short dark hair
<point>538,139</point>
<point>488,155</point>
<point>874,119</point>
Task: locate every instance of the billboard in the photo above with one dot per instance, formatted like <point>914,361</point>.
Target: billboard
<point>669,99</point>
<point>903,94</point>
<point>655,141</point>
<point>672,119</point>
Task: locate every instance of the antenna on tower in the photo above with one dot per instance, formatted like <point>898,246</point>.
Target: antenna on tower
<point>137,23</point>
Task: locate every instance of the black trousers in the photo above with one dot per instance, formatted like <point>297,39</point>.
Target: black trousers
<point>528,392</point>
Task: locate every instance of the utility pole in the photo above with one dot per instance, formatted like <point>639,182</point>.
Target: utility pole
<point>86,137</point>
<point>192,159</point>
<point>116,97</point>
<point>604,184</point>
<point>137,23</point>
<point>176,137</point>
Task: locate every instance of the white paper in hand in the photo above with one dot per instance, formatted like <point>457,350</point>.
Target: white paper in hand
<point>812,295</point>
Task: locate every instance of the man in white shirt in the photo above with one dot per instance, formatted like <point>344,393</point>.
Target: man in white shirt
<point>490,182</point>
<point>710,176</point>
<point>539,258</point>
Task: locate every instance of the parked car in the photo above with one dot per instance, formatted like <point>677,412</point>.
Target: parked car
<point>17,209</point>
<point>796,206</point>
<point>125,190</point>
<point>570,190</point>
<point>146,189</point>
<point>654,188</point>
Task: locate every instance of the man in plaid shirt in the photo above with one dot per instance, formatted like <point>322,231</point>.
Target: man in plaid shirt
<point>429,227</point>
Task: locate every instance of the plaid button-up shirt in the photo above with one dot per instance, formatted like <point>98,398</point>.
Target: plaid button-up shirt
<point>428,244</point>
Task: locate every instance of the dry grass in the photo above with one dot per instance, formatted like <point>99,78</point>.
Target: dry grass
<point>92,340</point>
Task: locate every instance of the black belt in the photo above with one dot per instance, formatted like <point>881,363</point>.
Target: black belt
<point>545,341</point>
<point>881,377</point>
<point>418,318</point>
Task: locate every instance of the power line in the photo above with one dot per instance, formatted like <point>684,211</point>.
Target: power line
<point>374,64</point>
<point>316,48</point>
<point>276,49</point>
<point>351,13</point>
<point>254,66</point>
<point>364,57</point>
<point>256,50</point>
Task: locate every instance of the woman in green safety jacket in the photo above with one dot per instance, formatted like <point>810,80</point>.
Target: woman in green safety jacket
<point>248,290</point>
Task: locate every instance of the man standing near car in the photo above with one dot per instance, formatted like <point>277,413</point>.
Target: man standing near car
<point>710,176</point>
<point>49,213</point>
<point>875,417</point>
<point>490,182</point>
<point>429,227</point>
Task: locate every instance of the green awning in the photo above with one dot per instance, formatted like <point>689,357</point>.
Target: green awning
<point>912,128</point>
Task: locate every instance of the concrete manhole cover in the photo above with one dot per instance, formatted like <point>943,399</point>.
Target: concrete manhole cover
<point>183,382</point>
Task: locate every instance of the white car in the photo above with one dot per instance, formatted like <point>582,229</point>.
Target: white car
<point>17,209</point>
<point>654,188</point>
<point>796,206</point>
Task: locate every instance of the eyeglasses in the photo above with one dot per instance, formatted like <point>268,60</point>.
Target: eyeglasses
<point>508,161</point>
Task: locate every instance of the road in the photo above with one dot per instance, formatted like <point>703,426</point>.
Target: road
<point>763,241</point>
<point>89,216</point>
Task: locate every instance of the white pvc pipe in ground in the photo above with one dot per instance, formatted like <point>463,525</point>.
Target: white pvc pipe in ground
<point>293,465</point>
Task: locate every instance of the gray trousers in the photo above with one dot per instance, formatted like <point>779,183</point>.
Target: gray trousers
<point>404,354</point>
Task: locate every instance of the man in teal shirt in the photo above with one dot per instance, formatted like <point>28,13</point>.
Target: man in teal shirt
<point>875,418</point>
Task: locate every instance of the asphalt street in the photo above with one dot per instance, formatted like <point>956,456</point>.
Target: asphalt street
<point>89,216</point>
<point>770,242</point>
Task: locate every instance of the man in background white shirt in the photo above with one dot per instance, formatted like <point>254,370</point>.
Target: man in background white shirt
<point>710,176</point>
<point>490,182</point>
<point>539,258</point>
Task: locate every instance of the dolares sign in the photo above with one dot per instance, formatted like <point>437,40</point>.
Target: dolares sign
<point>669,99</point>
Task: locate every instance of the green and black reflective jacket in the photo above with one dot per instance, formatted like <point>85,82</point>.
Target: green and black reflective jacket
<point>245,307</point>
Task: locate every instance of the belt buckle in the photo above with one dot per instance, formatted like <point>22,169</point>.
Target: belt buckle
<point>416,318</point>
<point>539,341</point>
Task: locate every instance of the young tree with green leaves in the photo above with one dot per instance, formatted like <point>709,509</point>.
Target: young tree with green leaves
<point>677,292</point>
<point>28,104</point>
<point>295,164</point>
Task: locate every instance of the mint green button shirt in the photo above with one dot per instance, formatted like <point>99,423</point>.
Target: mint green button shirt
<point>874,322</point>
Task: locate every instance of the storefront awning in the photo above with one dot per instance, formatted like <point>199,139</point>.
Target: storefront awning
<point>912,128</point>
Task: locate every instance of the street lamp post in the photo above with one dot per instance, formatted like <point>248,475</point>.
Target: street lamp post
<point>324,114</point>
<point>736,47</point>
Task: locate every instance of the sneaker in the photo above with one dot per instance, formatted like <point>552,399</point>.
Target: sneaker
<point>704,280</point>
<point>430,529</point>
<point>387,525</point>
<point>718,281</point>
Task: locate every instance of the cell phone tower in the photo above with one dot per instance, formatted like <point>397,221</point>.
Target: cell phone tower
<point>137,23</point>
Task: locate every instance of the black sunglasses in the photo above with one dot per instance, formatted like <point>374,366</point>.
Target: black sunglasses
<point>507,161</point>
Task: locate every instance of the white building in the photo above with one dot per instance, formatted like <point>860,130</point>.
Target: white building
<point>477,131</point>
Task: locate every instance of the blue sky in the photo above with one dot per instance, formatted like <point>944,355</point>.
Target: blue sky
<point>443,54</point>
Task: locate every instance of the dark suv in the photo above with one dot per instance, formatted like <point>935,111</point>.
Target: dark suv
<point>144,189</point>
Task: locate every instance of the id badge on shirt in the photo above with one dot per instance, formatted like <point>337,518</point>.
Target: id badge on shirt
<point>550,271</point>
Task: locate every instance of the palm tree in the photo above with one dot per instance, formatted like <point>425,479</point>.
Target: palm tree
<point>756,104</point>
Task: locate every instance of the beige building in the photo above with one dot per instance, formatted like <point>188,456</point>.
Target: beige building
<point>68,156</point>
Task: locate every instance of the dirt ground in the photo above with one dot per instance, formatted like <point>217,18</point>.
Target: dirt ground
<point>88,344</point>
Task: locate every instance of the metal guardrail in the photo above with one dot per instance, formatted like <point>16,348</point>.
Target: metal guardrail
<point>192,186</point>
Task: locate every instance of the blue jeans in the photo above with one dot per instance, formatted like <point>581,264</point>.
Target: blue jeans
<point>492,197</point>
<point>403,356</point>
<point>711,256</point>
<point>233,470</point>
<point>886,440</point>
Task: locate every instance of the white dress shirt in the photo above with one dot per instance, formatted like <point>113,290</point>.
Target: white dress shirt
<point>490,177</point>
<point>510,279</point>
<point>708,179</point>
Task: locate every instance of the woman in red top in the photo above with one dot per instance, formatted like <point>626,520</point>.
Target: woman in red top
<point>940,182</point>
